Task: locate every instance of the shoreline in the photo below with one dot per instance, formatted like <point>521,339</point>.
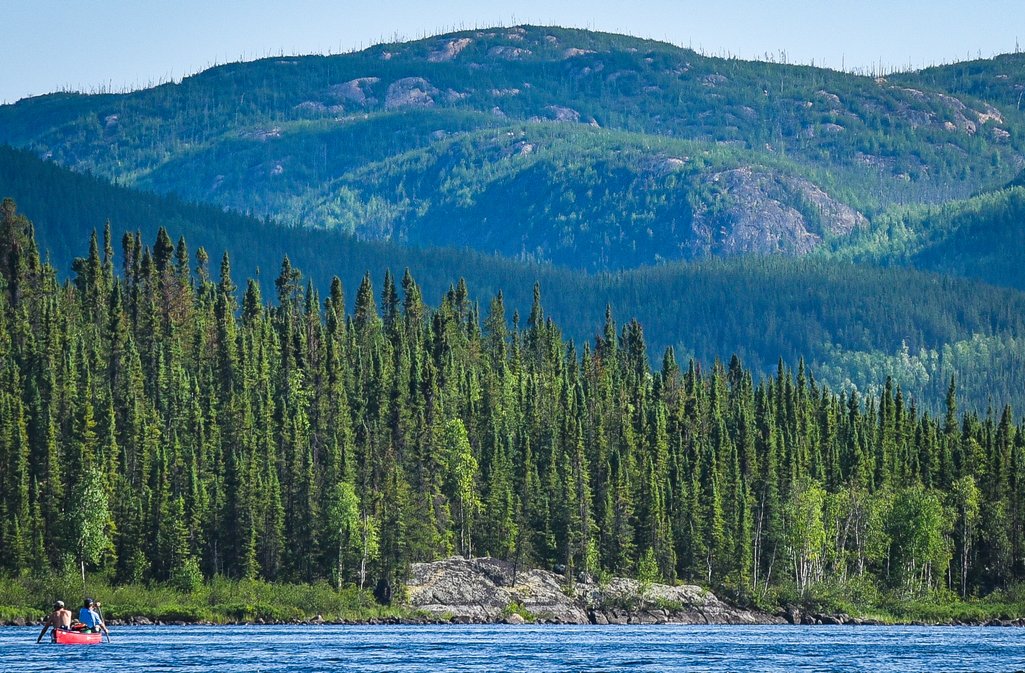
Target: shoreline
<point>484,591</point>
<point>640,618</point>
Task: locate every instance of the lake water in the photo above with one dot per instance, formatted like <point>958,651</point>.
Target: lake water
<point>290,649</point>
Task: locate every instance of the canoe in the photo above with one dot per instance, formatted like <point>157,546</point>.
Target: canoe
<point>62,637</point>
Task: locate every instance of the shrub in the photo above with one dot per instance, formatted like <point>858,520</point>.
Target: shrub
<point>188,577</point>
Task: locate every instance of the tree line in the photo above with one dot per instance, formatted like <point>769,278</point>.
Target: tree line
<point>849,322</point>
<point>158,422</point>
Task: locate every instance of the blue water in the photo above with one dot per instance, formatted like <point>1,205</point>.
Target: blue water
<point>282,649</point>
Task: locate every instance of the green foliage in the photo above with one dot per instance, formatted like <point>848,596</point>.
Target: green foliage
<point>357,535</point>
<point>187,577</point>
<point>804,534</point>
<point>518,609</point>
<point>597,150</point>
<point>917,526</point>
<point>849,322</point>
<point>965,501</point>
<point>974,238</point>
<point>90,520</point>
<point>299,443</point>
<point>647,570</point>
<point>462,474</point>
<point>218,600</point>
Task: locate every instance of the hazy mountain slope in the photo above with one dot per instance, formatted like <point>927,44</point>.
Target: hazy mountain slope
<point>586,198</point>
<point>980,238</point>
<point>291,137</point>
<point>848,322</point>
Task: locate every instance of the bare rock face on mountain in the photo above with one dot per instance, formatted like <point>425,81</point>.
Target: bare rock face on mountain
<point>487,590</point>
<point>449,50</point>
<point>356,91</point>
<point>410,92</point>
<point>560,113</point>
<point>758,215</point>
<point>509,53</point>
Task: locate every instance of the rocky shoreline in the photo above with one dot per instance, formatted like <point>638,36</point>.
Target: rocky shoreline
<point>488,591</point>
<point>492,591</point>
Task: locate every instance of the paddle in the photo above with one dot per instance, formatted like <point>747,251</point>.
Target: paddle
<point>103,622</point>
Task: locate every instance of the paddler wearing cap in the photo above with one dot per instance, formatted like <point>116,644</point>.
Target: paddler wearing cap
<point>91,618</point>
<point>60,618</point>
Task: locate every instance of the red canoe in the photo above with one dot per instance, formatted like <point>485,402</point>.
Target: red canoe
<point>62,637</point>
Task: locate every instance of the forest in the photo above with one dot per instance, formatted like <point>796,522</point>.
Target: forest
<point>161,421</point>
<point>854,324</point>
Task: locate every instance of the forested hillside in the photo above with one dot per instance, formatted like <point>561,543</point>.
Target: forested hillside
<point>851,323</point>
<point>535,142</point>
<point>981,237</point>
<point>294,439</point>
<point>1000,80</point>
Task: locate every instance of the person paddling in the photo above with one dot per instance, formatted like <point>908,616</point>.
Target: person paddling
<point>60,618</point>
<point>91,619</point>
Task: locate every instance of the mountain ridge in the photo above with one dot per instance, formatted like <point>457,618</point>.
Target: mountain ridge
<point>276,137</point>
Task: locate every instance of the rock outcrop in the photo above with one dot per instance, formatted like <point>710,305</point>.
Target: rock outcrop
<point>410,92</point>
<point>449,50</point>
<point>491,590</point>
<point>356,90</point>
<point>758,214</point>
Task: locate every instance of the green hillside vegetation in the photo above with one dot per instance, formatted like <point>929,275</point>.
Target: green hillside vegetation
<point>576,197</point>
<point>979,238</point>
<point>999,80</point>
<point>324,141</point>
<point>295,440</point>
<point>849,322</point>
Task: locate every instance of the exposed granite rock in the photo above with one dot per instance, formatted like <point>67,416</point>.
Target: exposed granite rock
<point>410,92</point>
<point>714,80</point>
<point>484,590</point>
<point>756,215</point>
<point>838,218</point>
<point>562,114</point>
<point>356,90</point>
<point>509,53</point>
<point>574,51</point>
<point>830,98</point>
<point>659,603</point>
<point>449,50</point>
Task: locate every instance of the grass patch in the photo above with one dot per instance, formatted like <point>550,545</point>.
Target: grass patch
<point>218,600</point>
<point>515,608</point>
<point>861,598</point>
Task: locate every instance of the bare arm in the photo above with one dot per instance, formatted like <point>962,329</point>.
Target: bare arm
<point>46,625</point>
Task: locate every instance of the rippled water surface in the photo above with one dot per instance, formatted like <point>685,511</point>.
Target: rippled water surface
<point>526,648</point>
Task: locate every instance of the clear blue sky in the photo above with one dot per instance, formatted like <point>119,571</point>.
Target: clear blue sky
<point>48,45</point>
